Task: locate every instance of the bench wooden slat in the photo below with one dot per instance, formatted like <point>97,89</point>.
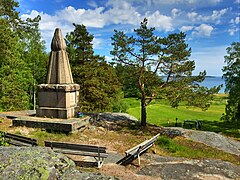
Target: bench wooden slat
<point>145,143</point>
<point>79,147</point>
<point>18,140</point>
<point>82,153</point>
<point>137,150</point>
<point>99,153</point>
<point>18,143</point>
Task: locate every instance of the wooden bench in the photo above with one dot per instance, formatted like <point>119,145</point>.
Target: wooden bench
<point>99,153</point>
<point>136,151</point>
<point>18,140</point>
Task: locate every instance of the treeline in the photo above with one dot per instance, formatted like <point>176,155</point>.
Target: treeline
<point>100,89</point>
<point>139,63</point>
<point>23,58</point>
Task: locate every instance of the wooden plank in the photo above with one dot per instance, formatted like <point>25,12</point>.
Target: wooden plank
<point>145,143</point>
<point>19,140</point>
<point>31,143</point>
<point>126,160</point>
<point>82,153</point>
<point>18,143</point>
<point>145,148</point>
<point>99,153</point>
<point>11,117</point>
<point>74,145</point>
<point>15,136</point>
<point>78,147</point>
<point>136,151</point>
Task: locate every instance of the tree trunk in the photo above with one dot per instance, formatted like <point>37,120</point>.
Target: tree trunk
<point>143,112</point>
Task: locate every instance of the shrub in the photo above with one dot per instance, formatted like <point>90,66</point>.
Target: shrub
<point>3,142</point>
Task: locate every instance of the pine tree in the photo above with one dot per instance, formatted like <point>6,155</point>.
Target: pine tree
<point>34,54</point>
<point>151,57</point>
<point>14,74</point>
<point>232,79</point>
<point>98,81</point>
<point>17,46</point>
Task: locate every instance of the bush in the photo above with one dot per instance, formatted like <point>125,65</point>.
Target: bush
<point>119,106</point>
<point>2,140</point>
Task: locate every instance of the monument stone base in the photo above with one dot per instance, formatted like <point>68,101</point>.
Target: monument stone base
<point>62,125</point>
<point>58,100</point>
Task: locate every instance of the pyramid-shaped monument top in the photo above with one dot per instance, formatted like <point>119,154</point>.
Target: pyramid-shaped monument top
<point>59,71</point>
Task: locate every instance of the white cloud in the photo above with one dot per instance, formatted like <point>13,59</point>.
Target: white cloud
<point>90,18</point>
<point>186,28</point>
<point>115,12</point>
<point>234,27</point>
<point>191,2</point>
<point>160,21</point>
<point>232,31</point>
<point>92,4</point>
<point>97,42</point>
<point>203,30</point>
<point>175,12</point>
<point>214,17</point>
<point>192,16</point>
<point>47,23</point>
<point>121,12</point>
<point>218,14</point>
<point>109,58</point>
<point>237,20</point>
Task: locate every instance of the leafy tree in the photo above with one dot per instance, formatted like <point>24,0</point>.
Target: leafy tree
<point>98,82</point>
<point>127,77</point>
<point>232,79</point>
<point>8,12</point>
<point>16,75</point>
<point>168,57</point>
<point>34,54</point>
<point>34,49</point>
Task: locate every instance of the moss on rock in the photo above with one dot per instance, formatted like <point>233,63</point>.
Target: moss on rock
<point>36,163</point>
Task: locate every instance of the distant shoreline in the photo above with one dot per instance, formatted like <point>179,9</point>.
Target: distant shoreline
<point>213,76</point>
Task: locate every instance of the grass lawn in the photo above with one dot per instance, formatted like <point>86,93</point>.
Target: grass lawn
<point>160,113</point>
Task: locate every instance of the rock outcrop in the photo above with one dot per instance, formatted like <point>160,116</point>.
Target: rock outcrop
<point>211,139</point>
<point>113,121</point>
<point>180,168</point>
<point>39,163</point>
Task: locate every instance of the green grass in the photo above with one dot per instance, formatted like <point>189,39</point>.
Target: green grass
<point>189,149</point>
<point>160,113</point>
<point>43,136</point>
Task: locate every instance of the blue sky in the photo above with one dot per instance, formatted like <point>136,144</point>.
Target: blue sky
<point>210,25</point>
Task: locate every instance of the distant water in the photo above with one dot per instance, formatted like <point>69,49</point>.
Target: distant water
<point>211,81</point>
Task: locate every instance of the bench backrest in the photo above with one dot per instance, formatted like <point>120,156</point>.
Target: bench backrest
<point>18,140</point>
<point>77,147</point>
<point>143,146</point>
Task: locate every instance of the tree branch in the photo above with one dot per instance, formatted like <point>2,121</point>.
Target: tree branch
<point>159,62</point>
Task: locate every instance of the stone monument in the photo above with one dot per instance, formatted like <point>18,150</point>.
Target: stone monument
<point>58,98</point>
